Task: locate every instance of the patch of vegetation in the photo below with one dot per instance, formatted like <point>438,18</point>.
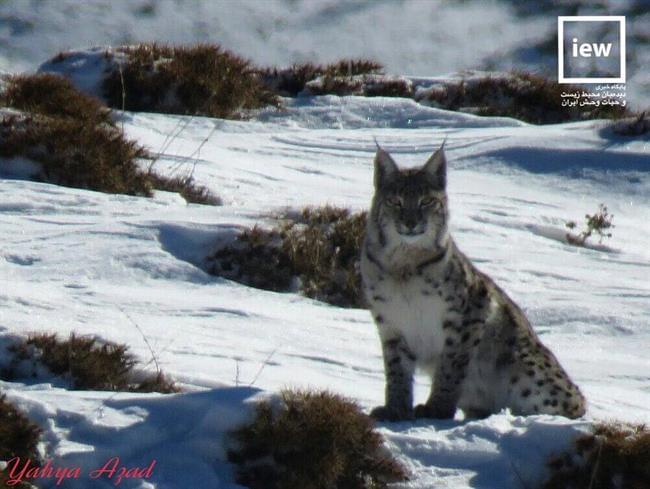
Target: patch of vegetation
<point>613,456</point>
<point>257,259</point>
<point>293,80</point>
<point>521,95</point>
<point>203,79</point>
<point>389,87</point>
<point>365,85</point>
<point>18,438</point>
<point>316,251</point>
<point>352,67</point>
<point>336,85</point>
<point>324,247</point>
<point>186,187</point>
<point>87,363</point>
<point>315,440</point>
<point>598,223</point>
<point>75,140</point>
<point>74,153</point>
<point>53,96</point>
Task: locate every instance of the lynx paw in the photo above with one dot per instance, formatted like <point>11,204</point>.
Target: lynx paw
<point>386,413</point>
<point>476,413</point>
<point>434,411</point>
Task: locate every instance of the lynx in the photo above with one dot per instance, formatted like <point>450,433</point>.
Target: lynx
<point>434,310</point>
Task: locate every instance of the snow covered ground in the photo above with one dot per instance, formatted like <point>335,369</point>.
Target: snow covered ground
<point>127,268</point>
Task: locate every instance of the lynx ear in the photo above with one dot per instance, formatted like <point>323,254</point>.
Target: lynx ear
<point>436,168</point>
<point>385,167</point>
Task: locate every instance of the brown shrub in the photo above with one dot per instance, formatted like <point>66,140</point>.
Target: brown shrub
<point>521,95</point>
<point>53,96</point>
<point>336,85</point>
<point>193,80</point>
<point>316,440</point>
<point>613,456</point>
<point>257,259</point>
<point>293,80</point>
<point>324,247</point>
<point>397,87</point>
<point>18,438</point>
<point>316,250</point>
<point>353,67</point>
<point>87,363</point>
<point>364,85</point>
<point>76,154</point>
<point>185,186</point>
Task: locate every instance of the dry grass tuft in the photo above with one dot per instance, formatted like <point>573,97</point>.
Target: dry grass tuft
<point>186,187</point>
<point>389,87</point>
<point>18,438</point>
<point>353,67</point>
<point>521,95</point>
<point>324,247</point>
<point>257,259</point>
<point>316,251</point>
<point>614,456</point>
<point>77,154</point>
<point>316,440</point>
<point>293,80</point>
<point>203,79</point>
<point>87,363</point>
<point>336,85</point>
<point>53,96</point>
<point>364,85</point>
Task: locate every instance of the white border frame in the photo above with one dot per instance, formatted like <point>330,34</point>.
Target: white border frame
<point>560,47</point>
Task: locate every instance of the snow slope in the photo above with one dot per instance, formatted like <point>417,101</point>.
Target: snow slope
<point>413,37</point>
<point>128,268</point>
<point>274,31</point>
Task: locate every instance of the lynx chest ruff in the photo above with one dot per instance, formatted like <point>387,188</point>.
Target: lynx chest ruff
<point>412,310</point>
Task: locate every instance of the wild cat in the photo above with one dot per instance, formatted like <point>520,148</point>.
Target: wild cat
<point>436,311</point>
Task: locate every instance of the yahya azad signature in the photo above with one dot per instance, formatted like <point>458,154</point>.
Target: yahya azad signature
<point>17,471</point>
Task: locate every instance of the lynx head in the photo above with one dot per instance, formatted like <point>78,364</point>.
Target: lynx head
<point>410,206</point>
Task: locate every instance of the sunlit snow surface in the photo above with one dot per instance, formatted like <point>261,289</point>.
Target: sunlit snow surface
<point>73,260</point>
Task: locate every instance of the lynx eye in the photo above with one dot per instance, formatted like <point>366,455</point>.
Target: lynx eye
<point>429,201</point>
<point>394,201</point>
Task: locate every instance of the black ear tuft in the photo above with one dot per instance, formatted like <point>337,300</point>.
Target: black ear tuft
<point>436,168</point>
<point>385,167</point>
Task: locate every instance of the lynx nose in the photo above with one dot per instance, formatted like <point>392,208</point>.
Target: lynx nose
<point>410,223</point>
<point>410,228</point>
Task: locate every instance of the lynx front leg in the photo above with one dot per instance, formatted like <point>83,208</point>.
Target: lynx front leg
<point>399,365</point>
<point>446,387</point>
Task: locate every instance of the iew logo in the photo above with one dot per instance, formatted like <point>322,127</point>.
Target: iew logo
<point>591,49</point>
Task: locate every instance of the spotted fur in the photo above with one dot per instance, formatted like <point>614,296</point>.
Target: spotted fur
<point>434,310</point>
